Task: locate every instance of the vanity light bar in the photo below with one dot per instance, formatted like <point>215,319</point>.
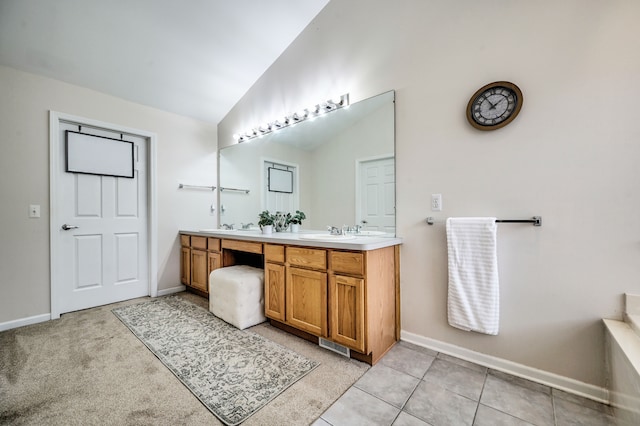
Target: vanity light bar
<point>297,117</point>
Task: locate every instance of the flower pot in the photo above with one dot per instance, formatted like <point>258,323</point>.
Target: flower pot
<point>267,229</point>
<point>280,222</point>
<point>295,227</point>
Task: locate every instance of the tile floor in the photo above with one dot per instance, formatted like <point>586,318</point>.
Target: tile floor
<point>416,386</point>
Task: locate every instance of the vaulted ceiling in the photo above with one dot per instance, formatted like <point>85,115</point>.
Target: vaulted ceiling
<point>191,57</point>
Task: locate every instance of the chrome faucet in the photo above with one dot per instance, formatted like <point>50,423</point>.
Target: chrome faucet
<point>354,229</point>
<point>246,225</point>
<point>357,228</point>
<point>333,230</point>
<point>227,226</point>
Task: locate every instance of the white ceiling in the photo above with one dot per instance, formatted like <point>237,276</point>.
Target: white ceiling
<point>191,57</point>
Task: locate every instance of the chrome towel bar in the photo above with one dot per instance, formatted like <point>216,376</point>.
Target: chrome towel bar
<point>222,189</point>
<point>535,220</point>
<point>184,185</point>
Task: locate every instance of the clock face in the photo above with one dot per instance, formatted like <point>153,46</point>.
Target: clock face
<point>494,105</point>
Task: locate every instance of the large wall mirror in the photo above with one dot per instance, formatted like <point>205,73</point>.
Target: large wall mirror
<point>338,169</point>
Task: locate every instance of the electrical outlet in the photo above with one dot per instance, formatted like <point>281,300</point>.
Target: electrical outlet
<point>436,202</point>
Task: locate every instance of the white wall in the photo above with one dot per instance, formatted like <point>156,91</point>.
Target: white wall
<point>186,154</point>
<point>571,156</point>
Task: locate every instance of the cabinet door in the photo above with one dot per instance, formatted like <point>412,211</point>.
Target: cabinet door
<point>307,300</point>
<point>214,263</point>
<point>185,266</point>
<point>199,276</point>
<point>274,295</point>
<point>347,311</point>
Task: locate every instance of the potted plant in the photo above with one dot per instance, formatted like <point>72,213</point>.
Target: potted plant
<point>265,221</point>
<point>296,220</point>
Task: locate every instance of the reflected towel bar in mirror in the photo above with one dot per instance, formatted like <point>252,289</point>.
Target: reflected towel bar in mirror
<point>535,220</point>
<point>209,187</point>
<point>223,188</point>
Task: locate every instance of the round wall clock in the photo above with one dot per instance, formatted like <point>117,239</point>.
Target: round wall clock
<point>494,105</point>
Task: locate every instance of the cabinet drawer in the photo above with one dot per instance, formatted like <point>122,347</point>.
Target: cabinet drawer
<point>213,244</point>
<point>185,240</point>
<point>306,257</point>
<point>242,246</point>
<point>347,262</point>
<point>274,253</point>
<point>199,242</point>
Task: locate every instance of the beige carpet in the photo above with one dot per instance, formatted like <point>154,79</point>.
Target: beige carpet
<point>88,368</point>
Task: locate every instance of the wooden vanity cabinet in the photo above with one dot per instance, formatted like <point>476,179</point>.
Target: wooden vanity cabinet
<point>348,297</point>
<point>199,256</point>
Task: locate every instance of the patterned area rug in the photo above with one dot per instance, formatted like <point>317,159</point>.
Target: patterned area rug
<point>233,373</point>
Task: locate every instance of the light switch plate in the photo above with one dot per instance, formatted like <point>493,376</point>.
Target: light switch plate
<point>34,210</point>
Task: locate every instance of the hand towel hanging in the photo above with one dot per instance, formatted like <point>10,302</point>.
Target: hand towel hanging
<point>473,294</point>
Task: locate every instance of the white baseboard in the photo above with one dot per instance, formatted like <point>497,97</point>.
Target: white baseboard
<point>167,291</point>
<point>24,321</point>
<point>553,380</point>
<point>46,317</point>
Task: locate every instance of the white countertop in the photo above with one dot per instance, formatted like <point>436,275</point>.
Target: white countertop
<point>368,242</point>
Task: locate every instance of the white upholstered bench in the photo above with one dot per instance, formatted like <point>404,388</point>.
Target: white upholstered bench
<point>236,295</point>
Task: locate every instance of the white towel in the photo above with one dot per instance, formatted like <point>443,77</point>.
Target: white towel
<point>474,296</point>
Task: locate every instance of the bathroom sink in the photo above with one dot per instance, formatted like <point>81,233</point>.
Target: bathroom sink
<point>325,237</point>
<point>218,230</point>
<point>371,233</point>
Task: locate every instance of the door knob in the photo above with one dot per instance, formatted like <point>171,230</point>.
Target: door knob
<point>68,227</point>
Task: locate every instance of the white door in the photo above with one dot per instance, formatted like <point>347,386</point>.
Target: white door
<point>377,209</point>
<point>103,258</point>
<point>276,201</point>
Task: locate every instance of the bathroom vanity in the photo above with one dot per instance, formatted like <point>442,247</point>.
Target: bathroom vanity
<point>345,291</point>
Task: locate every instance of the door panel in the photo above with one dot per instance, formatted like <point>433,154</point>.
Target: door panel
<point>199,276</point>
<point>307,300</point>
<point>185,266</point>
<point>127,197</point>
<point>88,190</point>
<point>127,257</point>
<point>274,291</point>
<point>88,261</point>
<point>347,308</point>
